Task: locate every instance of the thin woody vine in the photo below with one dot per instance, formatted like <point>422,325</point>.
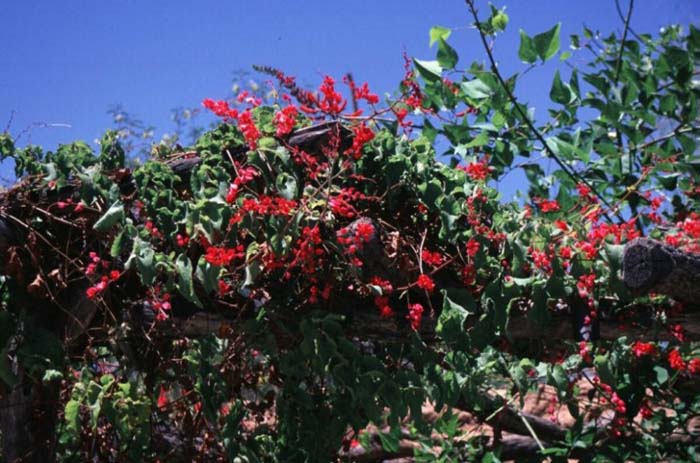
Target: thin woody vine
<point>304,278</point>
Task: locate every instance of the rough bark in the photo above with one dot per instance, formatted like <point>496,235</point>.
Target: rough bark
<point>650,266</point>
<point>372,326</point>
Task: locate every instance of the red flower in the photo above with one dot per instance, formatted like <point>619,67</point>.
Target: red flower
<point>541,260</point>
<point>547,205</point>
<point>362,136</point>
<point>472,247</point>
<point>363,93</point>
<point>220,108</point>
<point>565,252</point>
<point>694,366</point>
<point>585,285</point>
<point>640,349</point>
<point>224,288</point>
<point>223,256</point>
<point>584,352</point>
<point>285,120</point>
<point>382,303</point>
<point>333,102</point>
<point>415,313</point>
<point>620,406</point>
<point>386,285</point>
<point>675,360</point>
<point>182,240</point>
<point>426,283</point>
<point>478,171</point>
<point>645,411</point>
<point>431,258</point>
<point>250,131</point>
<point>163,398</point>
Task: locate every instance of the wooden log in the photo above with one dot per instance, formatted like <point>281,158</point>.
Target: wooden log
<point>650,266</point>
<point>372,326</point>
<point>311,139</point>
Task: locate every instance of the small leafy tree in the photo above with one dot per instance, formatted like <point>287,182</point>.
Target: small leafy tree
<point>300,282</point>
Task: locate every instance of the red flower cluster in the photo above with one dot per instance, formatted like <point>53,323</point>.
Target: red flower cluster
<point>308,251</point>
<point>363,93</point>
<point>153,230</point>
<point>473,246</point>
<point>362,136</point>
<point>547,205</point>
<point>432,258</point>
<point>248,128</point>
<point>224,288</point>
<point>182,240</point>
<point>477,171</point>
<point>385,285</point>
<point>332,102</point>
<point>285,119</point>
<point>221,108</point>
<point>541,260</point>
<point>244,175</point>
<point>78,208</point>
<point>675,360</point>
<point>585,352</point>
<point>223,256</point>
<point>355,239</point>
<point>162,398</point>
<point>161,305</point>
<point>413,96</point>
<point>382,303</point>
<point>640,349</point>
<point>426,283</point>
<point>469,275</point>
<point>694,366</point>
<point>585,285</point>
<point>415,314</point>
<point>341,203</point>
<point>565,252</point>
<point>96,263</point>
<point>267,205</point>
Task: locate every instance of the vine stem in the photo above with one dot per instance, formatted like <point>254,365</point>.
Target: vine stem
<point>494,68</point>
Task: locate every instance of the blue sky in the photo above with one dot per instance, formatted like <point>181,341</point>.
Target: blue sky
<point>66,62</point>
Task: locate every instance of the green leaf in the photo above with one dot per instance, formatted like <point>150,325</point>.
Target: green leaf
<point>479,140</point>
<point>439,33</point>
<point>457,305</point>
<point>390,441</point>
<point>431,71</point>
<point>430,191</point>
<point>670,181</point>
<point>114,215</point>
<point>52,375</point>
<point>143,255</point>
<point>661,374</point>
<point>70,414</point>
<point>208,275</point>
<point>560,92</point>
<point>476,89</point>
<point>118,244</point>
<point>185,284</point>
<point>286,185</point>
<point>527,51</point>
<point>547,43</point>
<point>499,20</point>
<point>446,55</point>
